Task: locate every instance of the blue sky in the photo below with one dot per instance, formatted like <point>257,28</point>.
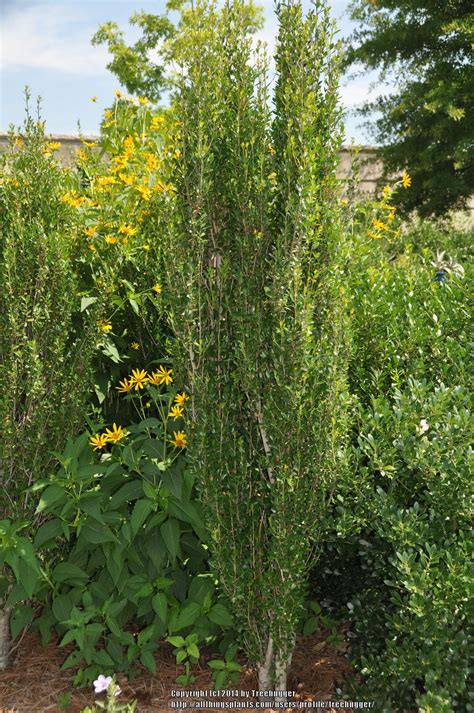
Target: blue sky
<point>46,45</point>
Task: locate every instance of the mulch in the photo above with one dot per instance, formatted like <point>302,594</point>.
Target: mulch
<point>34,682</point>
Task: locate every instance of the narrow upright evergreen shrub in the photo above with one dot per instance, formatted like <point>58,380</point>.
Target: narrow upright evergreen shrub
<point>256,279</point>
<point>45,344</point>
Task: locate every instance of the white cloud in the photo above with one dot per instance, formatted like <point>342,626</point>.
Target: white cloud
<point>47,36</point>
<point>356,92</point>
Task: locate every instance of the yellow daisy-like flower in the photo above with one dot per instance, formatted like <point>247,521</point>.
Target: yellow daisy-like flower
<point>135,345</point>
<point>406,180</point>
<point>115,435</point>
<point>111,239</point>
<point>157,288</point>
<point>90,144</point>
<point>106,180</point>
<point>176,412</point>
<point>104,325</point>
<point>181,399</point>
<point>145,192</point>
<point>91,231</point>
<point>125,386</point>
<point>156,122</point>
<point>386,191</point>
<point>179,439</point>
<point>98,441</point>
<point>129,145</point>
<point>164,375</point>
<point>128,180</point>
<point>143,101</point>
<point>374,236</point>
<point>92,247</point>
<point>139,378</point>
<point>53,145</point>
<point>118,94</point>
<point>18,141</point>
<point>151,161</point>
<point>127,230</point>
<point>108,114</point>
<point>378,224</point>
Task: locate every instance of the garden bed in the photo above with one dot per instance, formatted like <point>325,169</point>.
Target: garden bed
<point>35,684</point>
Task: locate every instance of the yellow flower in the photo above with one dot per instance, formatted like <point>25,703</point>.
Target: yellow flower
<point>156,122</point>
<point>129,145</point>
<point>378,224</point>
<point>98,441</point>
<point>90,144</point>
<point>139,378</point>
<point>111,239</point>
<point>135,345</point>
<point>151,161</point>
<point>391,217</point>
<point>164,375</point>
<point>176,412</point>
<point>91,231</point>
<point>128,180</point>
<point>145,192</point>
<point>143,101</point>
<point>386,191</point>
<point>271,149</point>
<point>114,435</point>
<point>18,141</point>
<point>179,439</point>
<point>406,180</point>
<point>92,247</point>
<point>106,180</point>
<point>53,145</point>
<point>157,288</point>
<point>125,385</point>
<point>180,399</point>
<point>103,325</point>
<point>93,99</point>
<point>272,176</point>
<point>127,230</point>
<point>108,114</point>
<point>374,236</point>
<point>118,94</point>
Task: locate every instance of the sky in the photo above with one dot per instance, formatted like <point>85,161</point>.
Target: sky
<point>45,44</point>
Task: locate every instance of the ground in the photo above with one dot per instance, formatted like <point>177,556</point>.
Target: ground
<point>34,683</point>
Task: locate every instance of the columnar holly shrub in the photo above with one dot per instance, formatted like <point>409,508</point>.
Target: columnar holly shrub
<point>257,297</point>
<point>45,344</point>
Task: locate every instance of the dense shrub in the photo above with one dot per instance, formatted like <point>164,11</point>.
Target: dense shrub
<point>398,555</point>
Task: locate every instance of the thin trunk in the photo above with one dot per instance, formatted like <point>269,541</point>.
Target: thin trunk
<point>4,638</point>
<point>265,673</point>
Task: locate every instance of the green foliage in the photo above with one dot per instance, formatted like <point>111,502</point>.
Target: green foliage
<point>132,65</point>
<point>257,301</point>
<point>46,344</point>
<point>399,545</point>
<point>123,550</point>
<point>425,123</point>
<point>225,671</point>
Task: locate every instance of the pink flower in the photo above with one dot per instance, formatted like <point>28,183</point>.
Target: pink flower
<point>102,683</point>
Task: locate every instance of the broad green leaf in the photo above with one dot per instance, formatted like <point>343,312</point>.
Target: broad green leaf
<point>140,513</point>
<point>48,531</point>
<point>87,302</point>
<point>147,659</point>
<point>21,616</point>
<point>160,605</point>
<point>187,616</point>
<point>69,573</point>
<point>170,532</point>
<point>96,533</point>
<point>51,495</point>
<point>220,615</point>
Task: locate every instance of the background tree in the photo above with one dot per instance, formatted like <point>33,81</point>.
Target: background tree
<point>258,304</point>
<point>426,122</point>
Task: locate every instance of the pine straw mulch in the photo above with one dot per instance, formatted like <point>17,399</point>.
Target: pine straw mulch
<point>33,683</point>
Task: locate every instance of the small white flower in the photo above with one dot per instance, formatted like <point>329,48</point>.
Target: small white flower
<point>422,427</point>
<point>102,683</point>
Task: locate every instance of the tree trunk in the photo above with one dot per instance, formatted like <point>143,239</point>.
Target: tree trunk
<point>4,638</point>
<point>273,672</point>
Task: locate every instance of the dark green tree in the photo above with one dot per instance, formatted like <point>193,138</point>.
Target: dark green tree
<point>425,123</point>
